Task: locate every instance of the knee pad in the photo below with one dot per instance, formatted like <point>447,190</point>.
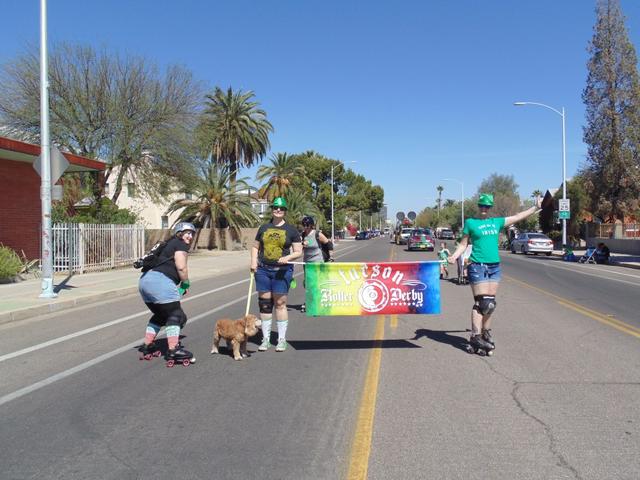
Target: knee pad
<point>265,305</point>
<point>485,304</point>
<point>174,314</point>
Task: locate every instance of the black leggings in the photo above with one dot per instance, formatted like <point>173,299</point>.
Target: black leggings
<point>167,314</point>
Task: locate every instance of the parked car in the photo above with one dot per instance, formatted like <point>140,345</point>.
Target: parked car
<point>362,236</point>
<point>420,239</point>
<point>403,235</point>
<point>446,234</point>
<point>532,243</point>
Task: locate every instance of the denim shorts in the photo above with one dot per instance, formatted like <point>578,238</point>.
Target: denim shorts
<point>274,280</point>
<point>156,287</point>
<point>483,272</point>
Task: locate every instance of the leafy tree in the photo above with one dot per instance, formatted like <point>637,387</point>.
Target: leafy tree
<point>612,133</point>
<point>279,176</point>
<point>119,109</point>
<point>235,129</point>
<point>505,194</point>
<point>218,201</point>
<point>101,211</point>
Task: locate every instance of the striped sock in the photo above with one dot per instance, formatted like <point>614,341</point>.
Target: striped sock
<point>151,333</point>
<point>173,336</point>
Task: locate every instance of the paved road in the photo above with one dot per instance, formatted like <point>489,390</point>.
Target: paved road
<point>558,400</point>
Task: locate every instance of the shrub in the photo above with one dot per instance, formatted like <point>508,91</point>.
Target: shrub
<point>10,263</point>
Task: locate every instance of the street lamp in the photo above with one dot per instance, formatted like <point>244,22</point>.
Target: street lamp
<point>564,161</point>
<point>461,198</point>
<point>333,232</point>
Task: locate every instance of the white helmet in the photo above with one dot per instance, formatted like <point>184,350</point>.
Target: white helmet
<point>184,226</point>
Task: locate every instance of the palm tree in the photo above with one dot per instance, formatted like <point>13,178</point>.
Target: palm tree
<point>440,188</point>
<point>299,204</point>
<point>236,129</point>
<point>280,175</point>
<point>218,202</point>
<point>536,193</point>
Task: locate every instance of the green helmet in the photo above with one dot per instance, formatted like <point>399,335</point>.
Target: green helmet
<point>485,200</point>
<point>279,202</point>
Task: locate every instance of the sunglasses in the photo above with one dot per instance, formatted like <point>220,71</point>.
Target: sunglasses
<point>282,209</point>
<point>484,206</point>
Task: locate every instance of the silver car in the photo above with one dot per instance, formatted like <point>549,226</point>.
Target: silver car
<point>532,243</point>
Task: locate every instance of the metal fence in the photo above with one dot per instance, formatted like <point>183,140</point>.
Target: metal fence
<point>614,230</point>
<point>85,247</point>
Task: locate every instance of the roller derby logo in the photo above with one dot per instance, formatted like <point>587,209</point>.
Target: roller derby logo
<point>373,296</point>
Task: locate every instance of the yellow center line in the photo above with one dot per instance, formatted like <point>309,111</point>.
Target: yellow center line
<point>600,317</point>
<point>361,445</point>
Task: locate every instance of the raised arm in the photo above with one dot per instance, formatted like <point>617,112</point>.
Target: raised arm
<point>524,214</point>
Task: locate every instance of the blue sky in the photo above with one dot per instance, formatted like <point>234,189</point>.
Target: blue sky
<point>413,91</point>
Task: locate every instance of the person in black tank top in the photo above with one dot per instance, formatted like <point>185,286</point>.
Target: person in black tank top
<point>161,288</point>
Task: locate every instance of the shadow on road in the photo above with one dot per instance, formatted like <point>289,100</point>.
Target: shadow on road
<point>349,344</point>
<point>442,336</point>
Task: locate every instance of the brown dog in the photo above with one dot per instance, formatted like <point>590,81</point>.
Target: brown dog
<point>236,333</point>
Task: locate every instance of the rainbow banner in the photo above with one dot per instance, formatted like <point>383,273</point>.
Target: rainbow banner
<point>372,288</point>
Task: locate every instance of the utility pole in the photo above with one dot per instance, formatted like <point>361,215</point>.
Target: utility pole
<point>46,256</point>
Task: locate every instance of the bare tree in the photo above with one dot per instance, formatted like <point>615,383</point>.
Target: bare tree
<point>121,110</point>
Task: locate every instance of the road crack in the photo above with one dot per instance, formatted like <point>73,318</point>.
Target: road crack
<point>553,443</point>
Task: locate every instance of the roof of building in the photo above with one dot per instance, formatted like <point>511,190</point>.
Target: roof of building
<point>27,152</point>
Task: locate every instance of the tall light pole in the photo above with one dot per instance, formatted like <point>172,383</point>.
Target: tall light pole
<point>46,249</point>
<point>461,198</point>
<point>333,231</point>
<point>564,160</point>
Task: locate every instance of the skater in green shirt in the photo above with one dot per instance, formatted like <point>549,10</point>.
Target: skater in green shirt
<point>484,267</point>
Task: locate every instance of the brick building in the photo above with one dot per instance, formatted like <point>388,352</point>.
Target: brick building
<point>20,205</point>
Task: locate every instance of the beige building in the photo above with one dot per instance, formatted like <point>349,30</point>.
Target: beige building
<point>153,214</point>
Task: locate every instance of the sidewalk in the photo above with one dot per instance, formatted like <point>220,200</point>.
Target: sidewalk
<point>21,300</point>
<point>616,259</point>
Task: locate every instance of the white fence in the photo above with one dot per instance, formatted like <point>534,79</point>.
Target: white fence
<point>85,247</point>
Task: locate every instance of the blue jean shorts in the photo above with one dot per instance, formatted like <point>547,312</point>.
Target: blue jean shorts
<point>156,287</point>
<point>483,272</point>
<point>274,280</point>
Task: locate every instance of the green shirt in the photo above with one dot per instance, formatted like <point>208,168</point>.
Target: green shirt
<point>483,235</point>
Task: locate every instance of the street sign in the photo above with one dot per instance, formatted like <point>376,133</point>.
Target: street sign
<point>564,206</point>
<point>411,215</point>
<point>57,192</point>
<point>58,164</point>
<point>564,214</point>
<point>400,216</point>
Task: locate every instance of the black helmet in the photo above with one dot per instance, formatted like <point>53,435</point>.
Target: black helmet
<point>308,221</point>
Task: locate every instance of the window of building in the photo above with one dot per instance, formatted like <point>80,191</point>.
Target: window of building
<point>188,196</point>
<point>106,189</point>
<point>131,189</point>
<point>164,221</point>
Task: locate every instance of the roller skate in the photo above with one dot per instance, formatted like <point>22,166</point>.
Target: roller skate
<point>486,335</point>
<point>147,352</point>
<point>479,345</point>
<point>179,355</point>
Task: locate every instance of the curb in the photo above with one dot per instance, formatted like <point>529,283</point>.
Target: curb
<point>44,309</point>
<point>30,312</point>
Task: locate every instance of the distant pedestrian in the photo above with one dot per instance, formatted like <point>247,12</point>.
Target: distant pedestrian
<point>484,267</point>
<point>443,255</point>
<point>161,288</point>
<point>277,243</point>
<point>316,246</point>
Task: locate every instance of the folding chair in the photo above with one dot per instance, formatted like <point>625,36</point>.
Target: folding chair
<point>589,256</point>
